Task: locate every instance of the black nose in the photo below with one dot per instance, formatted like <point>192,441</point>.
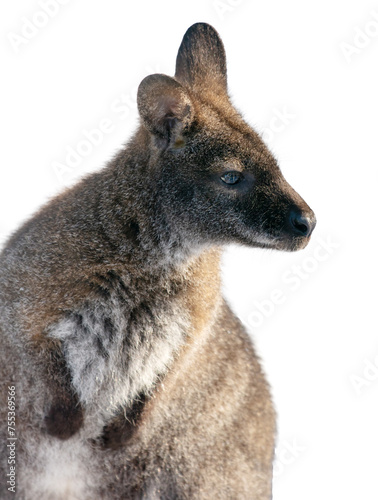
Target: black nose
<point>301,224</point>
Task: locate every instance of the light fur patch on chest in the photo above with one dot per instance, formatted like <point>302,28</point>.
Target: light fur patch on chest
<point>114,352</point>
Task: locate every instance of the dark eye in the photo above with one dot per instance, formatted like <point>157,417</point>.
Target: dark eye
<point>231,177</point>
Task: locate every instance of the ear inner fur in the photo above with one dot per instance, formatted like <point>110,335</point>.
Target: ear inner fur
<point>164,106</point>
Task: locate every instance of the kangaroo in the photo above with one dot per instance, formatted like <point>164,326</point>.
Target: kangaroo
<point>131,376</point>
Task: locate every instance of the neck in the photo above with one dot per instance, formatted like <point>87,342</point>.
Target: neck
<point>136,227</point>
<point>148,326</point>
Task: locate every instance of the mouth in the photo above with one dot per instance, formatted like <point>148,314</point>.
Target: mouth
<point>282,243</point>
<point>294,235</point>
<point>293,244</point>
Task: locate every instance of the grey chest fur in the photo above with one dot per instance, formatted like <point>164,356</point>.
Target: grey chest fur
<point>117,347</point>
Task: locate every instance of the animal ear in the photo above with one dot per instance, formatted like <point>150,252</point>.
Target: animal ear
<point>201,60</point>
<point>164,106</point>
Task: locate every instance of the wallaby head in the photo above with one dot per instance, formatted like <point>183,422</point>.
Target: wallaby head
<point>218,181</point>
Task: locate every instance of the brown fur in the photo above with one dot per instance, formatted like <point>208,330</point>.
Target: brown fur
<point>134,378</point>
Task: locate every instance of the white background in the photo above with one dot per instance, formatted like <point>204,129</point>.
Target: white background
<point>289,57</point>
